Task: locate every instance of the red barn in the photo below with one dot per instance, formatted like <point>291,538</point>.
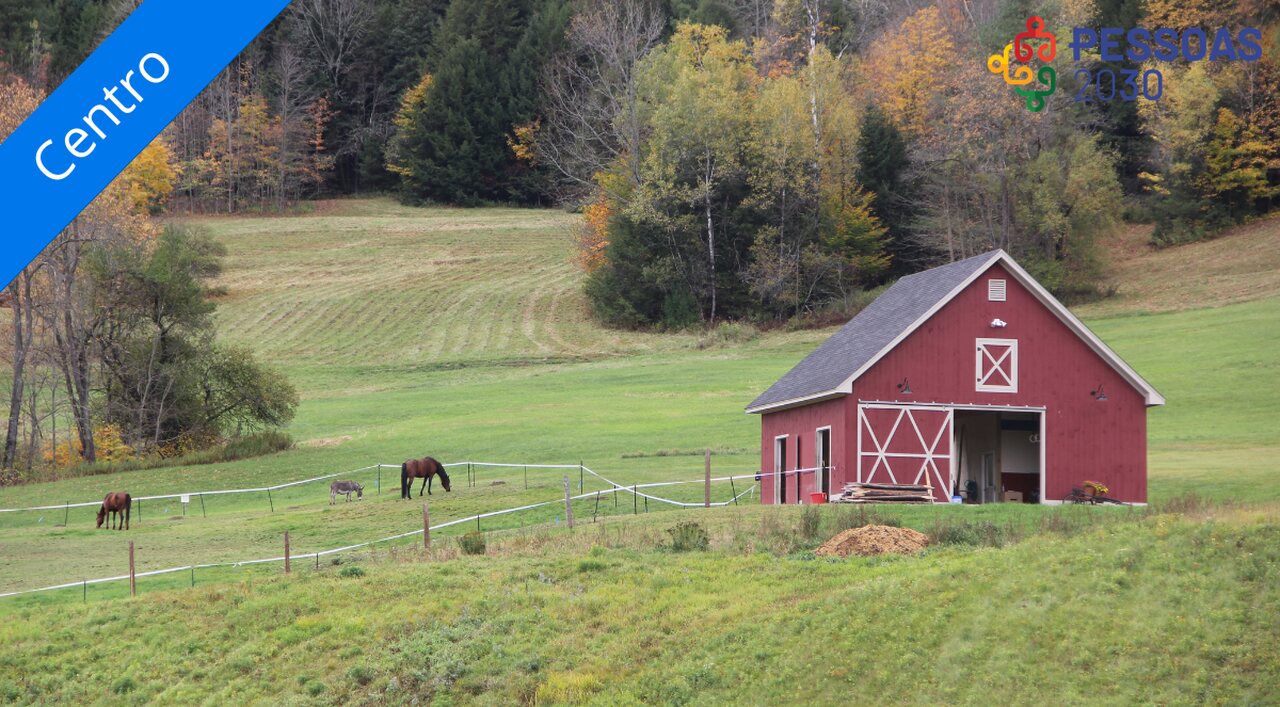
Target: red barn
<point>969,376</point>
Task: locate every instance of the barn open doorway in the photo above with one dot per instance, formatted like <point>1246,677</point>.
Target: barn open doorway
<point>999,456</point>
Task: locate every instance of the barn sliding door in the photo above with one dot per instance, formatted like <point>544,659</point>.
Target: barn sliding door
<point>901,444</point>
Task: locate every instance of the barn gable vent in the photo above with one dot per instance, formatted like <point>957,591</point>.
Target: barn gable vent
<point>995,290</point>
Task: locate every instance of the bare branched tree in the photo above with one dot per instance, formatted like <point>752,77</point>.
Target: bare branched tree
<point>333,29</point>
<point>590,113</point>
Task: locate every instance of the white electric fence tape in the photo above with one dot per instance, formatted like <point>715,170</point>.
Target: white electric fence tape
<point>617,488</point>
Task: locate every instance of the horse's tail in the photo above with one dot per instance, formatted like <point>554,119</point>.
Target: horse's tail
<point>404,479</point>
<point>128,509</point>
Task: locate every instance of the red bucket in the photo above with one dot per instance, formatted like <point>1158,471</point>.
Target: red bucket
<point>817,498</point>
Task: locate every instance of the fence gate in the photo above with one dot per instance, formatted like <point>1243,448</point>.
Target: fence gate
<point>901,444</point>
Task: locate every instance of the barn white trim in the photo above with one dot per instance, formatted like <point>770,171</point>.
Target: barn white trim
<point>929,457</point>
<point>989,376</point>
<point>1149,393</point>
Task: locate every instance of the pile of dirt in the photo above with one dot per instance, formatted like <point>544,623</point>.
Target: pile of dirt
<point>874,540</point>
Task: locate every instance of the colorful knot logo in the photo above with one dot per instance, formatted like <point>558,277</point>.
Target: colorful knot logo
<point>1045,48</point>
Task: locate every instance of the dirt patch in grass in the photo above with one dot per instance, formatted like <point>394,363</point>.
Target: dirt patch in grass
<point>327,441</point>
<point>874,540</point>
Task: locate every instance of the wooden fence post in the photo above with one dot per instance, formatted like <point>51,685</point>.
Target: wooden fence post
<point>202,512</point>
<point>379,480</point>
<point>273,503</point>
<point>706,485</point>
<point>568,504</point>
<point>426,526</point>
<point>66,515</point>
<point>133,583</point>
<point>596,511</point>
<point>286,552</point>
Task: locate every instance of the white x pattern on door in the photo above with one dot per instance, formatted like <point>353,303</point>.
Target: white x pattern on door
<point>997,365</point>
<point>928,452</point>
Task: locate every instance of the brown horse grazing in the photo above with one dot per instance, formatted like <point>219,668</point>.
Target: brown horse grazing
<point>425,469</point>
<point>118,504</point>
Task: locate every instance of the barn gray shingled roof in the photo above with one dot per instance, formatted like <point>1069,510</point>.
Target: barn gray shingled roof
<point>868,333</point>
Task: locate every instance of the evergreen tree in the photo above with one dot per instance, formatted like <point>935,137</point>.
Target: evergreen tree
<point>882,158</point>
<point>453,144</point>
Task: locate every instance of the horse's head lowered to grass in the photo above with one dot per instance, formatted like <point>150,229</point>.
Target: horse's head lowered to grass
<point>426,469</point>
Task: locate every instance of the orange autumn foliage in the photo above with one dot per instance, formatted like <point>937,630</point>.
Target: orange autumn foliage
<point>108,445</point>
<point>593,235</point>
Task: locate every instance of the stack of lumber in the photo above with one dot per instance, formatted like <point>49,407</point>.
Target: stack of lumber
<point>885,493</point>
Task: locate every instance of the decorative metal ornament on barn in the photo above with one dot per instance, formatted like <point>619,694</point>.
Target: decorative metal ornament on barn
<point>970,380</point>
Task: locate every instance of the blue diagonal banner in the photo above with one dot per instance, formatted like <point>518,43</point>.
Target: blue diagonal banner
<point>112,107</point>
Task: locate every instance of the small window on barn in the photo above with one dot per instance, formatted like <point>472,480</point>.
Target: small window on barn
<point>995,290</point>
<point>997,365</point>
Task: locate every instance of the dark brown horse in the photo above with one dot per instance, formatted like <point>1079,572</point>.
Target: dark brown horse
<point>118,504</point>
<point>424,469</point>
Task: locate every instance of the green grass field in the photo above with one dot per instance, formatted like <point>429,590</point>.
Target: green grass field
<point>462,334</point>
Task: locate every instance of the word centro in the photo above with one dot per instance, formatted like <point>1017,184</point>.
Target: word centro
<point>1164,44</point>
<point>151,67</point>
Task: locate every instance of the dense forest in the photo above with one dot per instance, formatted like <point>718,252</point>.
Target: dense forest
<point>762,160</point>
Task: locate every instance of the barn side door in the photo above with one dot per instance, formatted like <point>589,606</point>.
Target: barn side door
<point>902,444</point>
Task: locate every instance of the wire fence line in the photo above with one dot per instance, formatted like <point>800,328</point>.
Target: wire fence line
<point>372,467</point>
<point>277,487</point>
<point>596,494</point>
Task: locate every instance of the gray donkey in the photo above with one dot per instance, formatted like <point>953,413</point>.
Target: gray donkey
<point>344,487</point>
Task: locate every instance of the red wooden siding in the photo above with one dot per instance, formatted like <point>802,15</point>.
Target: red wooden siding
<point>1084,438</point>
<point>802,424</point>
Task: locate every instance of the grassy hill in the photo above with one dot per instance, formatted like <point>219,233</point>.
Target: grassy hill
<point>463,334</point>
<point>1164,609</point>
<point>1241,264</point>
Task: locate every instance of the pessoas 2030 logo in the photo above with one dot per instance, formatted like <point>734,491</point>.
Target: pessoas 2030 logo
<point>1137,45</point>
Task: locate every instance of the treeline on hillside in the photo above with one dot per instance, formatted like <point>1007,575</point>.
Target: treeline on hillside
<point>772,173</point>
<point>756,159</point>
<point>112,341</point>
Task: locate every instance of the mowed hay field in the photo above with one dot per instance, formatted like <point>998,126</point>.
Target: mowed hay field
<point>463,334</point>
<point>373,287</point>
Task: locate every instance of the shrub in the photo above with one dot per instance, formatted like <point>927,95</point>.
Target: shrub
<point>727,334</point>
<point>963,532</point>
<point>124,685</point>
<point>858,516</point>
<point>810,519</point>
<point>688,535</point>
<point>360,674</point>
<point>257,444</point>
<point>567,688</point>
<point>472,543</point>
<point>351,571</point>
<point>591,566</point>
